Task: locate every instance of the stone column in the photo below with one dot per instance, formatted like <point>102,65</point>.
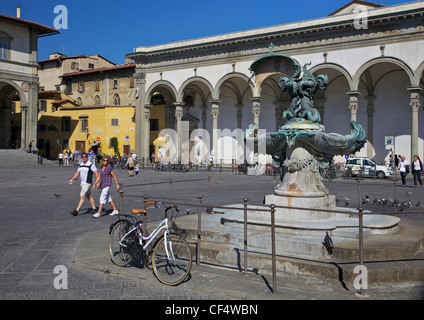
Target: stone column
<point>32,114</point>
<point>256,109</point>
<point>204,116</point>
<point>146,138</point>
<point>215,113</point>
<point>140,82</point>
<point>239,107</point>
<point>178,116</point>
<point>414,102</point>
<point>24,119</point>
<point>353,104</point>
<point>370,133</point>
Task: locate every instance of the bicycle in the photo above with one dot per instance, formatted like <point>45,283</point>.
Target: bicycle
<point>170,255</point>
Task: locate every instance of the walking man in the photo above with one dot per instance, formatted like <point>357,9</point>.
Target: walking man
<point>85,171</point>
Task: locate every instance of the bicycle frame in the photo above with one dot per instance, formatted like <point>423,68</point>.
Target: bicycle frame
<point>162,226</point>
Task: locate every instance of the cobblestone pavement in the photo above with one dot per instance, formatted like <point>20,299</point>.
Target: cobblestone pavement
<point>38,234</point>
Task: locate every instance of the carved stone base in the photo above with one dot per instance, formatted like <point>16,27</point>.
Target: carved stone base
<point>301,178</point>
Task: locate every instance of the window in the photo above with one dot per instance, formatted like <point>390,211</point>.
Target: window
<point>97,84</point>
<point>131,82</point>
<point>84,123</point>
<point>68,86</point>
<point>81,87</point>
<point>97,100</point>
<point>41,127</point>
<point>74,66</point>
<point>79,101</point>
<point>116,100</point>
<point>154,124</point>
<point>65,144</point>
<point>115,84</point>
<point>114,122</point>
<point>4,50</point>
<point>91,66</point>
<point>43,105</point>
<point>66,124</point>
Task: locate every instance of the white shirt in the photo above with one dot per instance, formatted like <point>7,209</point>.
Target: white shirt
<point>84,170</point>
<point>402,165</point>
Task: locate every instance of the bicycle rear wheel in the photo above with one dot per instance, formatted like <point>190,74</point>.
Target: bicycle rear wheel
<point>174,269</point>
<point>120,254</point>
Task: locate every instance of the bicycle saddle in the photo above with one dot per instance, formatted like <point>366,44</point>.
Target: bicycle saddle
<point>138,211</point>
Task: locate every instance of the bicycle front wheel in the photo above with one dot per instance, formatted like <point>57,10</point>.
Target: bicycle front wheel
<point>173,267</point>
<point>119,248</point>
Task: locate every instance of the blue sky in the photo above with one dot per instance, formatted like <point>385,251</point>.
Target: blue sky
<point>114,28</point>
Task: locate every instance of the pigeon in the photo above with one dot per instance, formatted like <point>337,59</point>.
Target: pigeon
<point>328,243</point>
<point>57,195</point>
<point>346,203</point>
<point>409,193</point>
<point>418,203</point>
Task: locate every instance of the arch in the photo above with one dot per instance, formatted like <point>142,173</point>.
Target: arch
<point>418,74</point>
<point>392,60</point>
<point>336,67</point>
<point>21,93</point>
<point>169,92</point>
<point>191,81</point>
<point>217,89</point>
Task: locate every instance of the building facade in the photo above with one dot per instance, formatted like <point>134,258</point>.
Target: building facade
<point>19,76</point>
<point>373,60</point>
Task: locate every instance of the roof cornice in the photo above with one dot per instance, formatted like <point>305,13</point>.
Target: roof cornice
<point>285,30</point>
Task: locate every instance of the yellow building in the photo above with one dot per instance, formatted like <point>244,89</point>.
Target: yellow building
<point>65,125</point>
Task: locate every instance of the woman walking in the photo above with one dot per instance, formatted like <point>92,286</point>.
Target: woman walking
<point>417,168</point>
<point>130,165</point>
<point>403,169</point>
<point>104,182</point>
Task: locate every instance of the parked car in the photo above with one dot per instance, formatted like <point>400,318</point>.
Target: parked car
<point>368,167</point>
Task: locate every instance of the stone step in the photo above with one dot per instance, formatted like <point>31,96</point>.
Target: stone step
<point>21,157</point>
<point>403,270</point>
<point>395,257</point>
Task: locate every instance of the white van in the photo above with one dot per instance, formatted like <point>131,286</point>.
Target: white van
<point>368,167</point>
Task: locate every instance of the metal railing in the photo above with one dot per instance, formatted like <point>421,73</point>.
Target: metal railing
<point>265,208</point>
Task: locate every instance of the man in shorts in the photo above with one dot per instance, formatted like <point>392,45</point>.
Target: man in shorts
<point>85,170</point>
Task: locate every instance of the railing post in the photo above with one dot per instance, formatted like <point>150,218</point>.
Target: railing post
<point>361,244</point>
<point>199,227</point>
<point>274,264</point>
<point>121,202</point>
<point>394,195</point>
<point>145,214</point>
<point>245,235</point>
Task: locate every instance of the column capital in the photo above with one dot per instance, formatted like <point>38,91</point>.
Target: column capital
<point>214,101</point>
<point>414,89</point>
<point>140,77</point>
<point>353,93</point>
<point>256,100</point>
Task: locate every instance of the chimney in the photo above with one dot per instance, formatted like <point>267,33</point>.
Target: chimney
<point>18,12</point>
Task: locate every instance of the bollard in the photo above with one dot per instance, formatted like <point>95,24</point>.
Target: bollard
<point>198,230</point>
